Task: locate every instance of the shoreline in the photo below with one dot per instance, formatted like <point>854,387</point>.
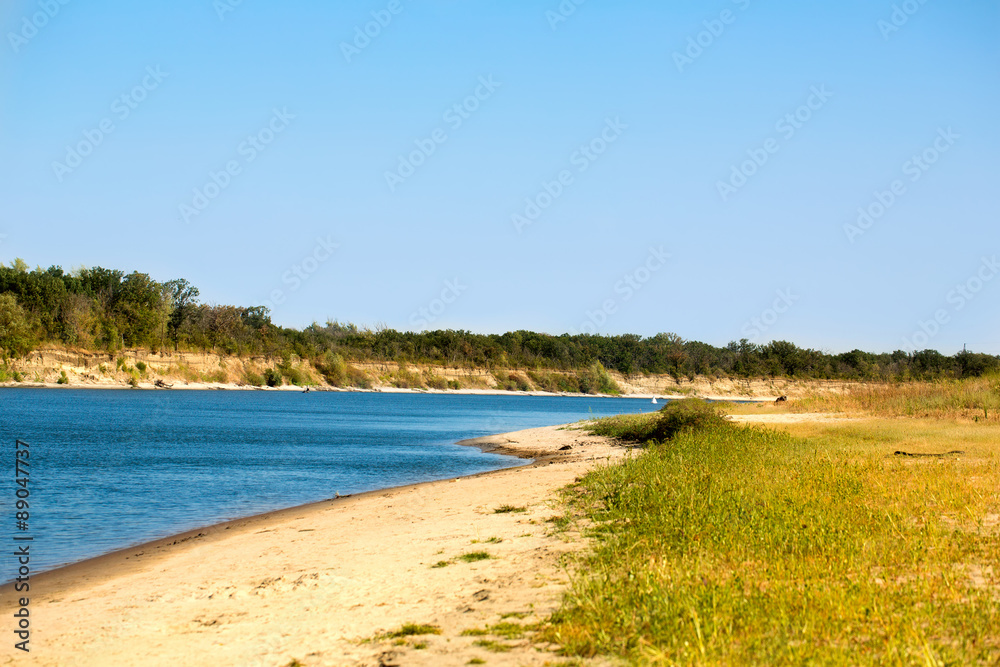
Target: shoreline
<point>371,555</point>
<point>484,443</point>
<point>198,386</point>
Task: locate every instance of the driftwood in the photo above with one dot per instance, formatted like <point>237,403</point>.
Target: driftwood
<point>781,399</point>
<point>162,385</point>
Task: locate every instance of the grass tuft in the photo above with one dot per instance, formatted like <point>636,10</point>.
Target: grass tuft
<point>414,629</point>
<point>507,509</point>
<point>475,556</point>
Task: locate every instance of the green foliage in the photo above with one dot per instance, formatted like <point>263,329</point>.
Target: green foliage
<point>435,381</point>
<point>63,378</point>
<point>253,379</point>
<point>141,365</point>
<point>474,556</point>
<point>687,414</point>
<point>114,310</point>
<point>273,377</point>
<point>16,339</point>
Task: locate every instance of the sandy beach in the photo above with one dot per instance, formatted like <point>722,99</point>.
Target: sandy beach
<point>319,583</point>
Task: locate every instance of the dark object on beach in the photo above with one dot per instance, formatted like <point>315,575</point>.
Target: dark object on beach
<point>162,385</point>
<point>954,452</point>
<point>306,391</point>
<point>565,447</point>
<point>781,399</point>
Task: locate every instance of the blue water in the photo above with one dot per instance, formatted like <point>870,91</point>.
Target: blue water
<point>110,469</point>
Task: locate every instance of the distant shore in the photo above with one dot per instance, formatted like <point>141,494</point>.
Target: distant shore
<point>205,386</point>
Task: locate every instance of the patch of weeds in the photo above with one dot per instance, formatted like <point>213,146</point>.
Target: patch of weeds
<point>474,632</point>
<point>420,646</point>
<point>475,556</point>
<point>561,522</point>
<point>507,509</point>
<point>491,645</point>
<point>476,661</point>
<point>494,540</point>
<point>514,614</point>
<point>414,629</point>
<point>441,563</point>
<point>508,630</point>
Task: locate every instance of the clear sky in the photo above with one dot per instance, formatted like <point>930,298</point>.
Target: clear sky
<point>628,167</point>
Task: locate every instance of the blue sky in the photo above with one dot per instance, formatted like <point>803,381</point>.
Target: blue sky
<point>693,167</point>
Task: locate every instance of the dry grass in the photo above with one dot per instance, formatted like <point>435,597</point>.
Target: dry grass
<point>973,399</point>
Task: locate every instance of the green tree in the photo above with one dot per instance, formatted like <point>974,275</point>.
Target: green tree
<point>15,330</point>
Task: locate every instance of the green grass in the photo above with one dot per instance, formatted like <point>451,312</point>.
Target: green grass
<point>732,545</point>
<point>474,632</point>
<point>474,556</point>
<point>413,629</point>
<point>441,563</point>
<point>507,509</point>
<point>476,661</point>
<point>492,645</point>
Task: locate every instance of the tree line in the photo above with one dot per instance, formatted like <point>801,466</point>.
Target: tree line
<point>109,310</point>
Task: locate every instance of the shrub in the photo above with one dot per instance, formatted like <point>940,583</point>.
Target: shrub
<point>435,381</point>
<point>358,378</point>
<point>63,378</point>
<point>688,414</point>
<point>333,369</point>
<point>253,379</point>
<point>141,365</point>
<point>273,378</point>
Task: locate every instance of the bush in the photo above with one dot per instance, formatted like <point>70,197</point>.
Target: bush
<point>358,378</point>
<point>253,379</point>
<point>273,378</point>
<point>435,381</point>
<point>688,414</point>
<point>141,365</point>
<point>63,378</point>
<point>333,369</point>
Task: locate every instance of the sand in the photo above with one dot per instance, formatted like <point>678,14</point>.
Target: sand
<point>317,583</point>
